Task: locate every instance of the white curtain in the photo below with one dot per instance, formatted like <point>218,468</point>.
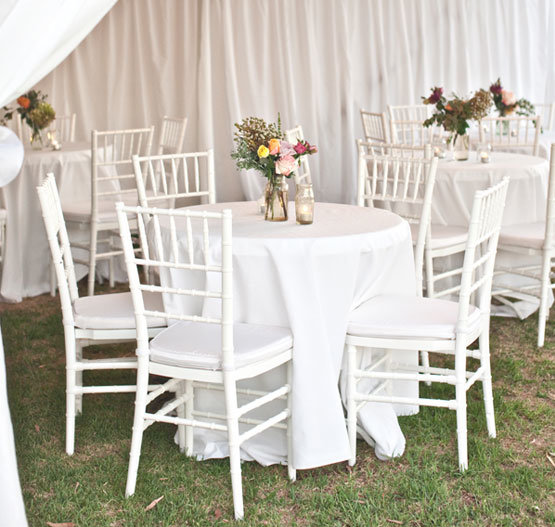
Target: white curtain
<point>317,62</point>
<point>35,36</point>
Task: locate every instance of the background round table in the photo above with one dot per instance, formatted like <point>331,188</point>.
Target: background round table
<point>309,278</point>
<point>457,181</point>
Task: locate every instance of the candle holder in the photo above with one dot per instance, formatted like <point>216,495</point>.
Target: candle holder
<point>304,204</point>
<point>483,153</point>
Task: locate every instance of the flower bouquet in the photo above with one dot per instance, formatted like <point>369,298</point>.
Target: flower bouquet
<point>454,116</point>
<point>506,102</point>
<point>261,146</point>
<point>35,112</point>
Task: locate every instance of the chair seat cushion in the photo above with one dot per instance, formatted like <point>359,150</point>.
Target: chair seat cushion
<point>79,211</point>
<point>199,344</point>
<point>523,235</point>
<point>443,235</point>
<point>393,316</point>
<point>114,311</point>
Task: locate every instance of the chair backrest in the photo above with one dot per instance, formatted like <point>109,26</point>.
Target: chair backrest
<point>404,185</point>
<point>113,178</point>
<point>549,243</point>
<point>302,174</point>
<point>515,132</point>
<point>479,256</point>
<point>172,135</point>
<point>163,179</point>
<point>406,124</point>
<point>205,235</point>
<point>374,126</point>
<point>64,127</point>
<point>60,248</point>
<point>547,112</point>
<point>391,149</point>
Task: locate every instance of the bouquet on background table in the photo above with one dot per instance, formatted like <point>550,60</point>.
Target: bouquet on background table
<point>261,146</point>
<point>455,114</point>
<point>34,111</point>
<point>506,102</point>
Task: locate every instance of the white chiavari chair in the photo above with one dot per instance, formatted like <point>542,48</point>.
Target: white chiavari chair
<point>406,125</point>
<point>518,133</point>
<point>534,240</point>
<point>172,135</point>
<point>547,113</point>
<point>3,228</point>
<point>374,126</point>
<point>112,180</point>
<point>64,128</point>
<point>88,320</point>
<point>164,180</point>
<point>395,322</point>
<point>199,350</point>
<point>302,174</point>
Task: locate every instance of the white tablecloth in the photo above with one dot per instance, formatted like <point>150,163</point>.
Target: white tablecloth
<point>27,257</point>
<point>309,278</point>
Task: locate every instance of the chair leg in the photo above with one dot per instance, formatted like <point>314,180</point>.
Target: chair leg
<point>291,471</point>
<point>52,279</point>
<point>486,382</point>
<point>544,306</point>
<point>79,379</point>
<point>460,394</point>
<point>92,259</point>
<point>351,402</point>
<point>111,275</point>
<point>70,393</point>
<point>189,408</point>
<point>234,447</point>
<point>425,359</point>
<point>138,422</point>
<point>181,414</point>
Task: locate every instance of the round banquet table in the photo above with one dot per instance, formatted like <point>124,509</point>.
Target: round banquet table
<point>27,257</point>
<point>457,181</point>
<point>309,278</point>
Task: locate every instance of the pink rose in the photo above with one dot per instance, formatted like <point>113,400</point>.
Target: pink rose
<point>285,165</point>
<point>508,98</point>
<point>312,149</point>
<point>287,149</point>
<point>300,148</point>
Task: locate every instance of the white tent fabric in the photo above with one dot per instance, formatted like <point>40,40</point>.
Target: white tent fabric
<point>35,36</point>
<point>315,61</point>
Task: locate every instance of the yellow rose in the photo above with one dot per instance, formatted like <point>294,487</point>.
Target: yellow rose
<point>263,151</point>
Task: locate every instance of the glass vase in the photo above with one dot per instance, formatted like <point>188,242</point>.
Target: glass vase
<point>276,198</point>
<point>304,204</point>
<point>38,142</point>
<point>461,146</point>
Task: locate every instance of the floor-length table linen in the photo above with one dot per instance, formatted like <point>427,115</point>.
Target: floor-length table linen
<point>26,267</point>
<point>309,278</point>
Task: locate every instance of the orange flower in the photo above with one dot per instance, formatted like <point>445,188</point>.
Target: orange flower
<point>274,145</point>
<point>24,101</point>
<point>448,107</point>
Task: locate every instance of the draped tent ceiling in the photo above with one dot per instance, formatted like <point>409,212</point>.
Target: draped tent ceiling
<point>317,62</point>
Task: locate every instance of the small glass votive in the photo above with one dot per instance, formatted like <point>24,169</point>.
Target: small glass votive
<point>483,153</point>
<point>440,149</point>
<point>304,204</point>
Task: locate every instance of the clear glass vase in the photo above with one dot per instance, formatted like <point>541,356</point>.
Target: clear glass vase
<point>461,147</point>
<point>37,140</point>
<point>276,195</point>
<point>304,204</point>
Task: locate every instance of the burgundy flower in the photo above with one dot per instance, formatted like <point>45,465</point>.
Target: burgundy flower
<point>436,95</point>
<point>496,87</point>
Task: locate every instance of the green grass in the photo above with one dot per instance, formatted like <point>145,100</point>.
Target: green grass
<point>510,480</point>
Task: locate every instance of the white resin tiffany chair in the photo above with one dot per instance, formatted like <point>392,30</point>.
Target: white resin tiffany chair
<point>406,124</point>
<point>518,133</point>
<point>374,126</point>
<point>63,128</point>
<point>302,174</point>
<point>198,350</point>
<point>172,135</point>
<point>395,322</point>
<point>3,226</point>
<point>534,240</point>
<point>547,113</point>
<point>112,180</point>
<point>441,240</point>
<point>88,320</point>
<point>165,181</point>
